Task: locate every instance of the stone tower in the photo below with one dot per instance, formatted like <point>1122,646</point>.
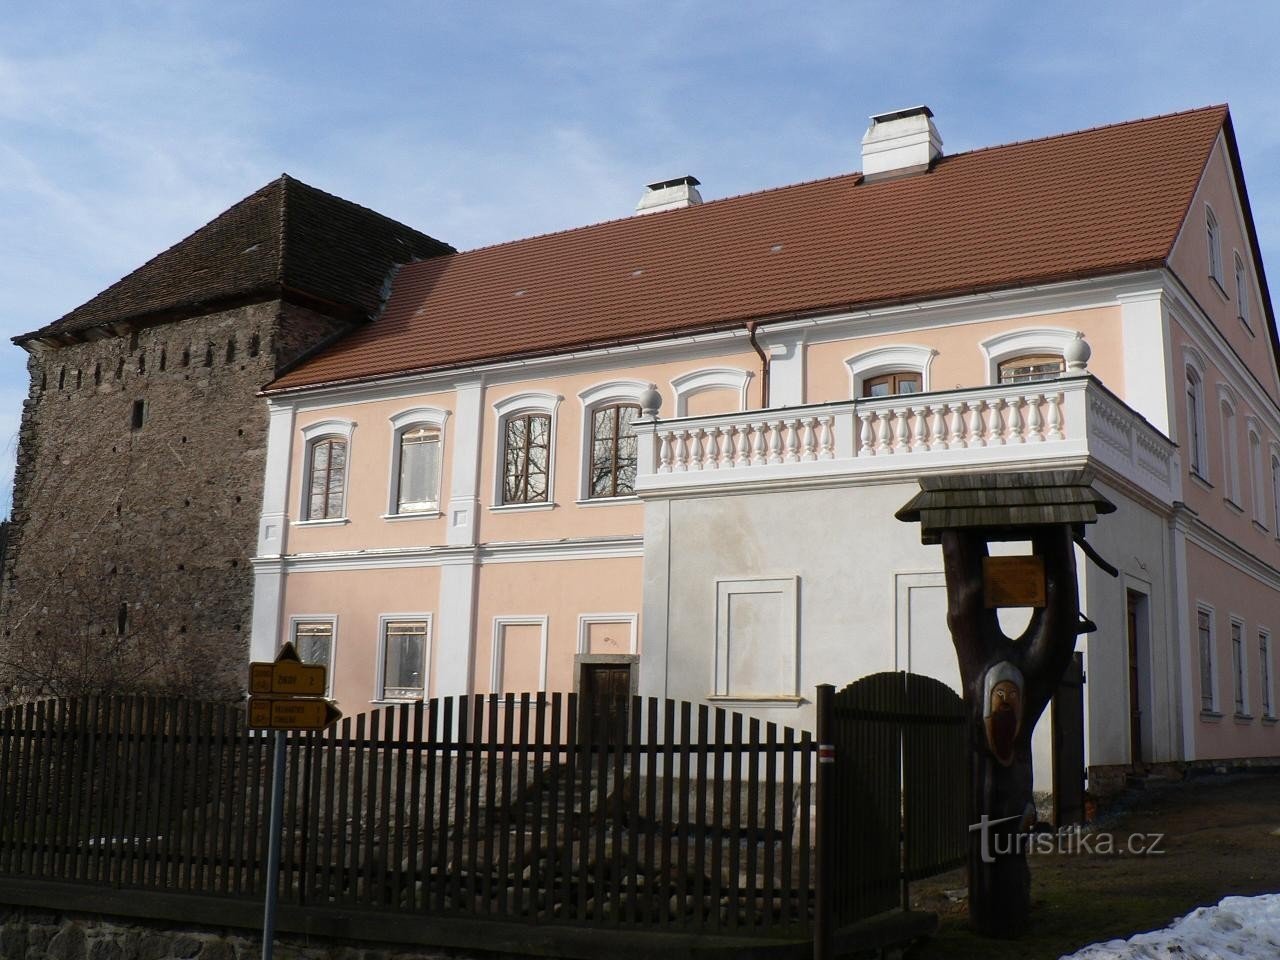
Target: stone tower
<point>142,445</point>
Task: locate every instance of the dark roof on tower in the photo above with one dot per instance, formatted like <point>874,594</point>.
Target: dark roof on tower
<point>287,240</point>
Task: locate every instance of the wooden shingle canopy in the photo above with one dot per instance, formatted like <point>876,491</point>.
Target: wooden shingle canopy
<point>1004,505</point>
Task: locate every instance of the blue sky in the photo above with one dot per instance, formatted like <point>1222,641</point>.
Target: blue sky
<point>126,125</point>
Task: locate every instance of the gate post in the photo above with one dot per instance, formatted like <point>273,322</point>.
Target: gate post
<point>824,804</point>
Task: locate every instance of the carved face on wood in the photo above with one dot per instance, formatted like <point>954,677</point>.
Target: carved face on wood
<point>1002,710</point>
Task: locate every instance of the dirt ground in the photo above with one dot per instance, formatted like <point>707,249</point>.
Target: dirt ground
<point>1221,837</point>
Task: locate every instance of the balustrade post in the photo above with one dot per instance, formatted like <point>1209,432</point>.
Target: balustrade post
<point>977,428</point>
<point>1055,416</point>
<point>826,440</point>
<point>775,441</point>
<point>865,436</point>
<point>1035,426</point>
<point>919,440</point>
<point>995,427</point>
<point>791,442</point>
<point>1015,419</point>
<point>902,431</point>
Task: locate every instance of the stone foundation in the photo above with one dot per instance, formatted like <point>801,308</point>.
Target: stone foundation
<point>33,934</point>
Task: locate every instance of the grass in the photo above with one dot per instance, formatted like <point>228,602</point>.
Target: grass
<point>1222,838</point>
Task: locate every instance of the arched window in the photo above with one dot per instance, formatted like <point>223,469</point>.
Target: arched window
<point>1195,423</point>
<point>1275,493</point>
<point>326,478</point>
<point>891,384</point>
<point>612,470</point>
<point>1242,292</point>
<point>1030,368</point>
<point>418,490</point>
<point>526,458</point>
<point>1213,236</point>
<point>885,371</point>
<point>1257,491</point>
<point>1230,453</point>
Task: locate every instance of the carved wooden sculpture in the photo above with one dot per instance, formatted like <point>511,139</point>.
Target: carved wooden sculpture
<point>1007,681</point>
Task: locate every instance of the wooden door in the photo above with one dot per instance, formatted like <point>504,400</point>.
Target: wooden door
<point>1132,625</point>
<point>606,693</point>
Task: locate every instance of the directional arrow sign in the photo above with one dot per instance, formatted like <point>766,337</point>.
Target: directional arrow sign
<point>288,675</point>
<point>291,714</point>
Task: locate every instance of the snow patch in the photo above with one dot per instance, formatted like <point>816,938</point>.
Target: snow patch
<point>1238,928</point>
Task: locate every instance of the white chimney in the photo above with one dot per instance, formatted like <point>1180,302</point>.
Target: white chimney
<point>670,195</point>
<point>900,142</point>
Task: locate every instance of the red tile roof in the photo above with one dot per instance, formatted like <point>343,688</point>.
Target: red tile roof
<point>1100,201</point>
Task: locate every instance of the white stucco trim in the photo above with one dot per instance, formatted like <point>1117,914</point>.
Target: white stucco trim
<point>1031,340</point>
<point>586,619</point>
<point>593,398</point>
<point>380,660</point>
<point>433,417</point>
<point>787,589</point>
<point>499,643</point>
<point>333,427</point>
<point>898,358</point>
<point>528,401</point>
<point>710,378</point>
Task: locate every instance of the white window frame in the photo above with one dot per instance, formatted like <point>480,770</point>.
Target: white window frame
<point>433,418</point>
<point>1197,424</point>
<point>899,358</point>
<point>1213,657</point>
<point>788,587</point>
<point>380,664</point>
<point>1240,673</point>
<point>585,620</point>
<point>529,401</point>
<point>499,644</point>
<point>1228,421</point>
<point>332,429</point>
<point>1213,237</point>
<point>1029,341</point>
<point>1275,490</point>
<point>689,385</point>
<point>592,399</point>
<point>1258,489</point>
<point>1266,677</point>
<point>332,620</point>
<point>1242,291</point>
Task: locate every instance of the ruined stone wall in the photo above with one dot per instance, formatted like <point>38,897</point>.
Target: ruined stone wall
<point>128,564</point>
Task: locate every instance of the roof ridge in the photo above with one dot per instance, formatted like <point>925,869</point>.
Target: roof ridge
<point>361,207</point>
<point>837,176</point>
<point>282,226</point>
<point>1222,107</point>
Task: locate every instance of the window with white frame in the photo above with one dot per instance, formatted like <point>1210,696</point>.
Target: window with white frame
<point>1213,236</point>
<point>1230,453</point>
<point>326,478</point>
<point>1238,668</point>
<point>1242,292</point>
<point>417,443</point>
<point>1195,423</point>
<point>1275,493</point>
<point>1264,674</point>
<point>313,639</point>
<point>402,671</point>
<point>1257,488</point>
<point>1027,354</point>
<point>1204,631</point>
<point>526,460</point>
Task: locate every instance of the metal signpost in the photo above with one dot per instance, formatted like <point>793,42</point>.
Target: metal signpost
<point>285,695</point>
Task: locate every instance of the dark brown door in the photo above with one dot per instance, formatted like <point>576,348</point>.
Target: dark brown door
<point>1135,704</point>
<point>1068,746</point>
<point>606,693</point>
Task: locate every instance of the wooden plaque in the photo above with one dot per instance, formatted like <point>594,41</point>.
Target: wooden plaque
<point>1013,581</point>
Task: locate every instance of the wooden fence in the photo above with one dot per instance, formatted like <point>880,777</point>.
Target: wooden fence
<point>669,814</point>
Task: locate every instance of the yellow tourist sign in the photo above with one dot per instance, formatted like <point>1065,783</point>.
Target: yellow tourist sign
<point>287,694</point>
<point>288,675</point>
<point>292,713</point>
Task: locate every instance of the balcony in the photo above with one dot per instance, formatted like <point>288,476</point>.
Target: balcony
<point>1056,423</point>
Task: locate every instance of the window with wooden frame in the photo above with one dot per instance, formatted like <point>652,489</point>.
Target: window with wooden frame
<point>526,458</point>
<point>418,488</point>
<point>326,478</point>
<point>892,384</point>
<point>404,652</point>
<point>1195,422</point>
<point>1204,630</point>
<point>613,451</point>
<point>1030,368</point>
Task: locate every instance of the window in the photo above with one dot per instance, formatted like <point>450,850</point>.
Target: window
<point>1214,237</point>
<point>1238,667</point>
<point>1195,422</point>
<point>139,415</point>
<point>1242,292</point>
<point>1027,369</point>
<point>613,451</point>
<point>526,458</point>
<point>1230,454</point>
<point>1257,490</point>
<point>1264,673</point>
<point>418,488</point>
<point>326,478</point>
<point>404,659</point>
<point>1275,493</point>
<point>1204,622</point>
<point>891,384</point>
<point>314,641</point>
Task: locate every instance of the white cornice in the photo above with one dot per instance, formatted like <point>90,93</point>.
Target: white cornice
<point>598,548</point>
<point>1230,552</point>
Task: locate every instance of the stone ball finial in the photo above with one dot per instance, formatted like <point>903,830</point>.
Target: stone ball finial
<point>650,403</point>
<point>1077,354</point>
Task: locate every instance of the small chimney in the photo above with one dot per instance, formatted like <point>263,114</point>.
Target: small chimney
<point>900,142</point>
<point>670,195</point>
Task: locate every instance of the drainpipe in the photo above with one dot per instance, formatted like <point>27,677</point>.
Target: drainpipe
<point>764,365</point>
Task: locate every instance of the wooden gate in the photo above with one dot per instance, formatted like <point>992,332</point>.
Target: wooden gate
<point>900,777</point>
<point>1068,746</point>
